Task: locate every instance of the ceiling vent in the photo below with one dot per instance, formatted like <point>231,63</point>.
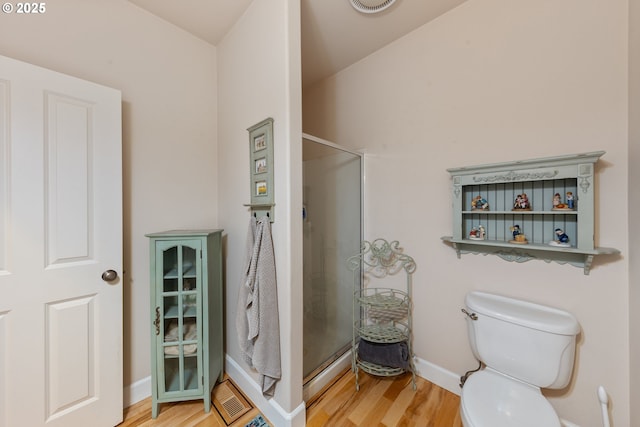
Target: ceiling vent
<point>371,6</point>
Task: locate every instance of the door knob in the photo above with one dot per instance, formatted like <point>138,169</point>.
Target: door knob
<point>109,275</point>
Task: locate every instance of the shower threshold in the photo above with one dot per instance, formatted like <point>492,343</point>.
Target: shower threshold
<point>327,363</point>
<point>325,374</point>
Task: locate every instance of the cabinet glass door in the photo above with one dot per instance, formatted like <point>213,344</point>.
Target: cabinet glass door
<point>179,335</point>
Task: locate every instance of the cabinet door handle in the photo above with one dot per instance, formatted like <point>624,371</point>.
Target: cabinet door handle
<point>157,321</point>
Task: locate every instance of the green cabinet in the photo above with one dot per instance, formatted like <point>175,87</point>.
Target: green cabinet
<point>528,209</point>
<point>186,315</point>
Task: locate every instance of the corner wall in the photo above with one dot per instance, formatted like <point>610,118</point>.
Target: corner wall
<point>492,81</point>
<point>634,206</point>
<point>168,82</point>
<point>259,77</point>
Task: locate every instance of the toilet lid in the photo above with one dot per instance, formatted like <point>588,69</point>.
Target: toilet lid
<point>490,399</point>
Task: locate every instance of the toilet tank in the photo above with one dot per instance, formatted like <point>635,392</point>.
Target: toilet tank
<point>531,342</point>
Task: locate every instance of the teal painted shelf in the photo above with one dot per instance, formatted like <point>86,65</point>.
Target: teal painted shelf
<point>539,198</point>
<point>521,253</point>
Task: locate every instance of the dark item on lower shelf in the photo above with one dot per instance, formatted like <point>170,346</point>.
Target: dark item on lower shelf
<point>393,355</point>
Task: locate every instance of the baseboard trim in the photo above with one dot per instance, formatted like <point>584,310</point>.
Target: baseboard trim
<point>134,393</point>
<point>437,375</point>
<point>269,407</point>
<point>431,372</point>
<point>450,380</point>
<point>141,389</point>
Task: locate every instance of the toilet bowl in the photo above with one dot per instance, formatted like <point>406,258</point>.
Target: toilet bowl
<point>523,347</point>
<point>493,400</point>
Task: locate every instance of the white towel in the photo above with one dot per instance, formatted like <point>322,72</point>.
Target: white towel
<point>190,333</point>
<point>257,316</point>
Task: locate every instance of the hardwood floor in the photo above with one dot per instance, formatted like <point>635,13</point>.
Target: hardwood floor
<point>384,402</point>
<point>381,402</point>
<point>179,414</point>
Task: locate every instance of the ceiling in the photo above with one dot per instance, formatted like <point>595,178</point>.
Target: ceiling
<point>334,34</point>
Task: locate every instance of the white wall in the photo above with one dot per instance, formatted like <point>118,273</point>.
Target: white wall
<point>491,81</point>
<point>168,83</point>
<point>634,205</point>
<point>259,77</point>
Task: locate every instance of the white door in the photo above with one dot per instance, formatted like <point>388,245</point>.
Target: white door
<point>60,229</point>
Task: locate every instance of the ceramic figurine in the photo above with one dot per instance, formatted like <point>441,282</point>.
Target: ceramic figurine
<point>481,231</point>
<point>473,234</point>
<point>518,236</point>
<point>557,203</point>
<point>479,203</point>
<point>521,203</point>
<point>477,233</point>
<point>561,239</point>
<point>570,199</point>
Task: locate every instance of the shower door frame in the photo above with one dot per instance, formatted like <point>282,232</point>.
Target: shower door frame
<point>313,381</point>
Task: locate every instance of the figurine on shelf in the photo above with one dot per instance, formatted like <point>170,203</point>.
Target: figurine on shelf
<point>479,203</point>
<point>516,203</point>
<point>570,199</point>
<point>518,236</point>
<point>561,239</point>
<point>557,203</point>
<point>521,203</point>
<point>477,233</point>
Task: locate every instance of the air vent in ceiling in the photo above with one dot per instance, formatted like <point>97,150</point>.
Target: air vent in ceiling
<point>371,6</point>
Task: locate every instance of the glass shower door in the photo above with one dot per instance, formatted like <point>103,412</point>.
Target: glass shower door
<point>332,180</point>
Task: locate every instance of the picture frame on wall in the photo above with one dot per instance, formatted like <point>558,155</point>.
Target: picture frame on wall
<point>259,143</point>
<point>261,168</point>
<point>260,165</point>
<point>261,189</point>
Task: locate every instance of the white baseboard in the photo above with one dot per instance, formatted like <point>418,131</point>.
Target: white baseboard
<point>136,392</point>
<point>450,380</point>
<point>437,375</point>
<point>141,390</point>
<point>269,407</point>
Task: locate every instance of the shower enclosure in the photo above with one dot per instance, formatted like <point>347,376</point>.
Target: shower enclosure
<point>332,221</point>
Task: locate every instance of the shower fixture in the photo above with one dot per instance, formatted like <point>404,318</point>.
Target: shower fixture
<point>371,6</point>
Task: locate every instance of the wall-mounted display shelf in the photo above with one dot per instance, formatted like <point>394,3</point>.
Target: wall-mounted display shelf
<point>528,209</point>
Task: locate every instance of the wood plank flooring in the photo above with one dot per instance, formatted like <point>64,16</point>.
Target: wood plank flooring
<point>381,402</point>
<point>384,402</point>
<point>179,414</point>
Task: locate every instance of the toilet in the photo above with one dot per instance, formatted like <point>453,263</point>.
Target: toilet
<point>523,347</point>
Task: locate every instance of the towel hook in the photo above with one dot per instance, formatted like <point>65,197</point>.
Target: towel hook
<point>262,209</point>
